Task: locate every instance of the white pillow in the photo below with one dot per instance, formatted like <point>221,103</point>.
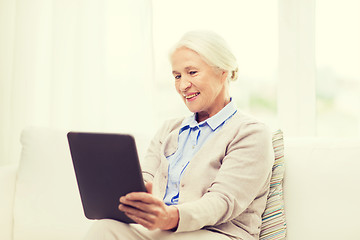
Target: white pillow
<point>47,204</point>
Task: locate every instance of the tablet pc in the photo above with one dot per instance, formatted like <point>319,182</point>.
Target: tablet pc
<point>106,168</point>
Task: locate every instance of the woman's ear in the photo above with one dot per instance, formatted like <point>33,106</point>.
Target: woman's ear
<point>224,75</point>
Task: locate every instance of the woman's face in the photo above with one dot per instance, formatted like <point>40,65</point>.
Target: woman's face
<point>202,87</point>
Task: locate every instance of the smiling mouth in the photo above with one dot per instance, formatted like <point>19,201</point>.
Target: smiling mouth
<point>192,95</point>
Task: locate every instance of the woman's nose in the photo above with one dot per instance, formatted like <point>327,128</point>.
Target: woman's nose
<point>184,84</point>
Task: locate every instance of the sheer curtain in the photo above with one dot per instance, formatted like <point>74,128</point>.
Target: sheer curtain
<point>74,64</point>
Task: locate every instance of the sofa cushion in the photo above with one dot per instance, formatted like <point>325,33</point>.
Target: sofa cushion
<point>321,188</point>
<point>273,220</point>
<point>47,202</point>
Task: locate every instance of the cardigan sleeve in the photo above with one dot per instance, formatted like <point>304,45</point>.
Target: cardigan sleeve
<point>242,177</point>
<point>152,158</point>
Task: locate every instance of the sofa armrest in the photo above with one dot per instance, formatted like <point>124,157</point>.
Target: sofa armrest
<point>7,192</point>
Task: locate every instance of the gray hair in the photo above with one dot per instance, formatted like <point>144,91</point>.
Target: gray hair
<point>212,48</point>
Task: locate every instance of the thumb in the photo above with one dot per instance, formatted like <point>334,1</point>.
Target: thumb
<point>149,186</point>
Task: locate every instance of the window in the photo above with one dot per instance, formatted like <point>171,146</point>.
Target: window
<point>338,67</point>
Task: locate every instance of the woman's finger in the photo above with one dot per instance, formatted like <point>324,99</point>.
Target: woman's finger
<point>140,197</point>
<point>143,206</point>
<point>146,216</point>
<point>141,221</point>
<point>149,186</point>
<point>151,209</point>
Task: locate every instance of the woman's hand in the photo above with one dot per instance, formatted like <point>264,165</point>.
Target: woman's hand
<point>149,211</point>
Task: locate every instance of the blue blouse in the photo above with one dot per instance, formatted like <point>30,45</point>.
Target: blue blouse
<point>192,136</point>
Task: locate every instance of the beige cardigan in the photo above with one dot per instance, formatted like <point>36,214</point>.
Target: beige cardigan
<point>225,186</point>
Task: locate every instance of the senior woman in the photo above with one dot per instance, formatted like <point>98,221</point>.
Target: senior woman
<point>208,174</point>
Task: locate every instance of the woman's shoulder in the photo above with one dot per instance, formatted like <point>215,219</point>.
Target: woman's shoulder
<point>244,123</point>
<point>243,118</point>
<point>170,125</point>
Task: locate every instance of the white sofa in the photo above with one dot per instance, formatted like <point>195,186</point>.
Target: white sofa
<point>39,199</point>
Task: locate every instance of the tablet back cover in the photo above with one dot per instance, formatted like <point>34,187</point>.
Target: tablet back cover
<point>106,168</point>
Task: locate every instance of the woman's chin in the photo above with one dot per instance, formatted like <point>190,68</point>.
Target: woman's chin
<point>194,106</point>
<point>192,110</point>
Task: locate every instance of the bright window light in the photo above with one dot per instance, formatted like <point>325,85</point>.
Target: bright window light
<point>338,67</point>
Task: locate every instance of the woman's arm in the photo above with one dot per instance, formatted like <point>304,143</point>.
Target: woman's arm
<point>152,159</point>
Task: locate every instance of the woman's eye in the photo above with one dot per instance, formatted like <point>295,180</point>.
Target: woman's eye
<point>177,76</point>
<point>192,72</point>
